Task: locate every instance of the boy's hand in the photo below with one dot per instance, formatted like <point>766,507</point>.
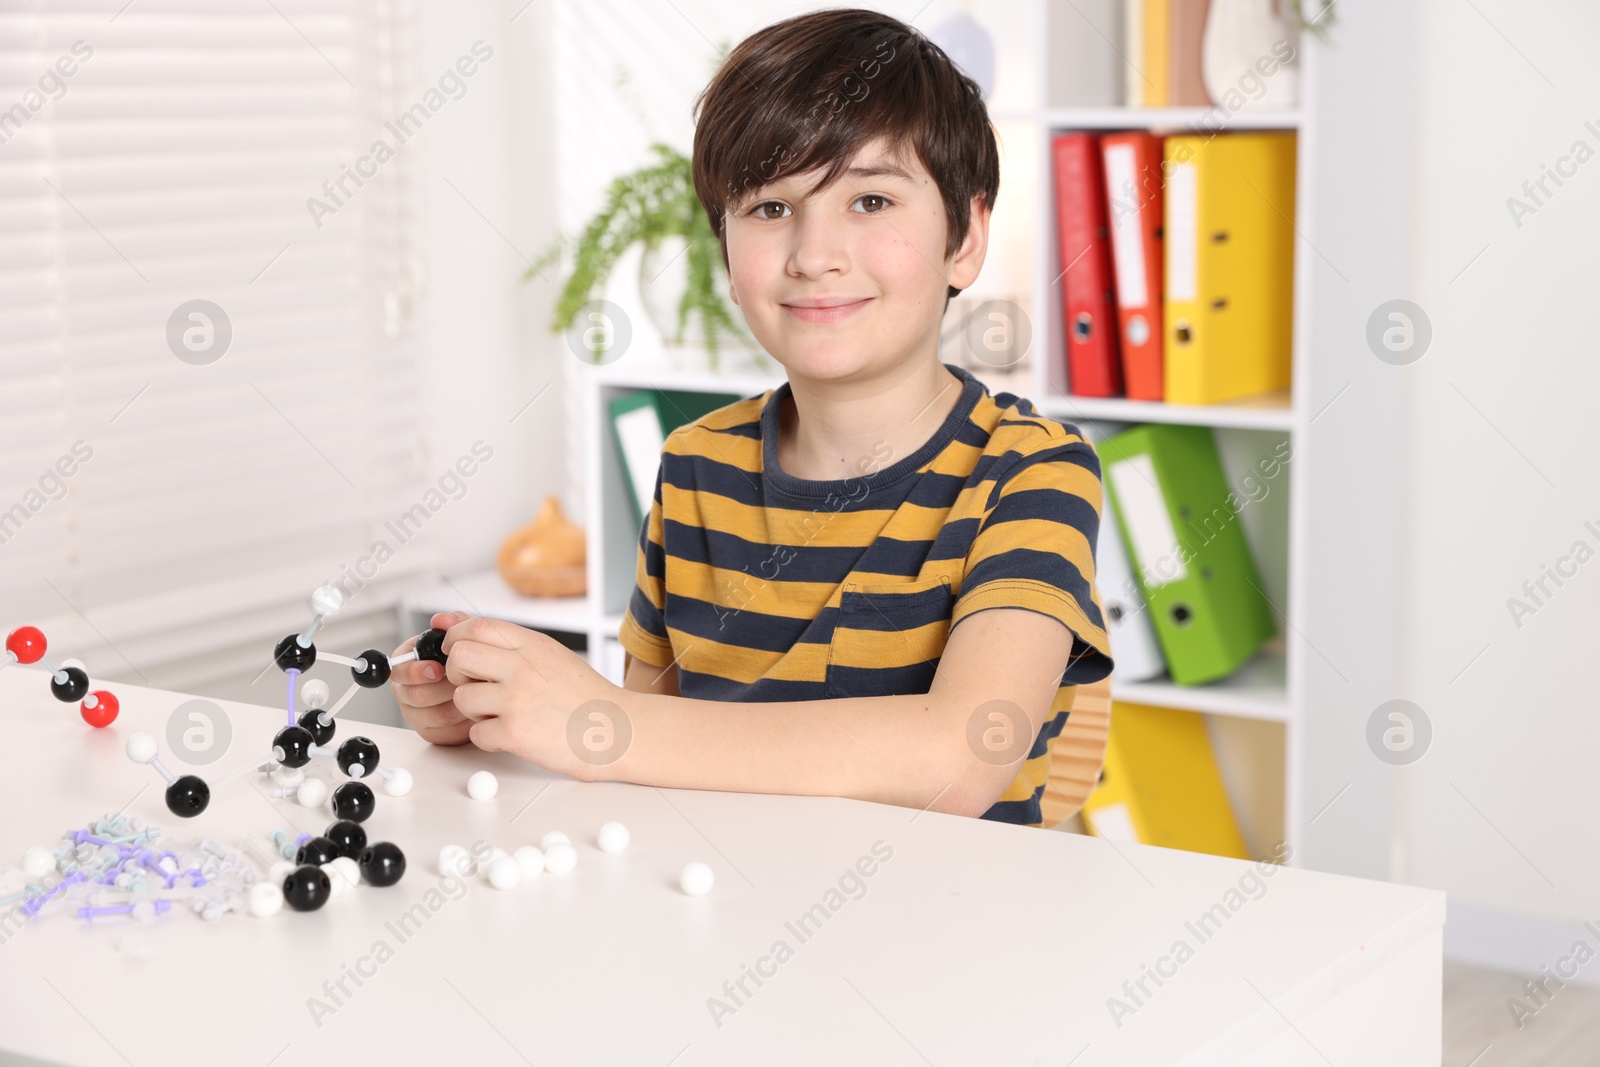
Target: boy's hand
<point>426,697</point>
<point>519,689</point>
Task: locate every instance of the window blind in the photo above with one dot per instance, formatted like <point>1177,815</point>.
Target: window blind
<point>162,494</point>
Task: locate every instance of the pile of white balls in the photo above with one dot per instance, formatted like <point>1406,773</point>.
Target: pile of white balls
<point>554,854</point>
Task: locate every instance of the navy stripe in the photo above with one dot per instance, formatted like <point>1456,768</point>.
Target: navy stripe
<point>1048,732</point>
<point>765,690</point>
<point>1053,505</point>
<point>762,561</point>
<point>742,627</point>
<point>710,474</point>
<point>1047,567</point>
<point>880,681</point>
<point>1086,664</point>
<point>645,614</point>
<point>655,559</point>
<point>895,612</point>
<point>933,490</point>
<point>1024,812</point>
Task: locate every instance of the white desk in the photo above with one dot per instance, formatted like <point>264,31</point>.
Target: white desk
<point>974,943</point>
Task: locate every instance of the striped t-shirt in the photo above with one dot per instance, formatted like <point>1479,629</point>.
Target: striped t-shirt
<point>761,586</point>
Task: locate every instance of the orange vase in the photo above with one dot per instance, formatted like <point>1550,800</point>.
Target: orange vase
<point>545,557</point>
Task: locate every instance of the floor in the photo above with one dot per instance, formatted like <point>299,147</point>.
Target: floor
<point>1481,1031</point>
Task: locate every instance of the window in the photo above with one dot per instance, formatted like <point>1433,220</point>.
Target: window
<point>206,399</point>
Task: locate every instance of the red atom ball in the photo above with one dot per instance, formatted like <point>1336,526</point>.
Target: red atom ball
<point>26,643</point>
<point>104,713</point>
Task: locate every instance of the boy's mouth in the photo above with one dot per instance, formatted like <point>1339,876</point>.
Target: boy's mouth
<point>826,310</point>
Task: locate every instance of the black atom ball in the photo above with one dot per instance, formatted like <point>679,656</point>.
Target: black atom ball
<point>348,837</point>
<point>188,796</point>
<point>382,863</point>
<point>358,757</point>
<point>377,671</point>
<point>429,646</point>
<point>312,725</point>
<point>292,746</point>
<point>317,851</point>
<point>290,656</point>
<point>354,801</point>
<point>73,688</point>
<point>306,888</point>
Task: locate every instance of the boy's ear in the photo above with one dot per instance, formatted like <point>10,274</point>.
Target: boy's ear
<point>968,260</point>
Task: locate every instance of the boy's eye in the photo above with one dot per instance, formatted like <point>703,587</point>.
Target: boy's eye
<point>761,210</point>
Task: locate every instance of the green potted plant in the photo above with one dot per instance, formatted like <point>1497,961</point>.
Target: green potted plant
<point>655,205</point>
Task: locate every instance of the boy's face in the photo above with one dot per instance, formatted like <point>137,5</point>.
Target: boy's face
<point>871,245</point>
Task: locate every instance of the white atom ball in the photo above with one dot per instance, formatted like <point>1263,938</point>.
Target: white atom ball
<point>531,860</point>
<point>482,785</point>
<point>488,861</point>
<point>560,858</point>
<point>279,871</point>
<point>697,879</point>
<point>613,837</point>
<point>38,862</point>
<point>315,693</point>
<point>505,873</point>
<point>337,885</point>
<point>397,783</point>
<point>454,860</point>
<point>346,868</point>
<point>141,748</point>
<point>313,793</point>
<point>554,837</point>
<point>266,900</point>
<point>326,600</point>
<point>288,776</point>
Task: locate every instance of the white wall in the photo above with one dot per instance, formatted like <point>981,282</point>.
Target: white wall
<point>485,183</point>
<point>483,177</point>
<point>1499,813</point>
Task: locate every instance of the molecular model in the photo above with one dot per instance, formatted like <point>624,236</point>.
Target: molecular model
<point>113,869</point>
<point>186,796</point>
<point>109,868</point>
<point>68,683</point>
<point>325,866</point>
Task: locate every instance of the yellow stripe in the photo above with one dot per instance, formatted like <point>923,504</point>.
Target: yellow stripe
<point>889,648</point>
<point>746,666</point>
<point>740,591</point>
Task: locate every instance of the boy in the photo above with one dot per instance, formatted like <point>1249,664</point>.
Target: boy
<point>875,581</point>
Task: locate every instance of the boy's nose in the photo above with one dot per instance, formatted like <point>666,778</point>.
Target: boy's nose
<point>820,245</point>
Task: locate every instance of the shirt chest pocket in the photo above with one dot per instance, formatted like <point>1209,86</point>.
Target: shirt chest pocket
<point>888,637</point>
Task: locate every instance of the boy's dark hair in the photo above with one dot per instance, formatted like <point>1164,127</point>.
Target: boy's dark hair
<point>809,92</point>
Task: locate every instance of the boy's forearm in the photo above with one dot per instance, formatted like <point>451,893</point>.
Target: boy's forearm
<point>906,750</point>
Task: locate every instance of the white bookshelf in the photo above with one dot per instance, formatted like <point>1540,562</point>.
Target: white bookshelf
<point>1289,726</point>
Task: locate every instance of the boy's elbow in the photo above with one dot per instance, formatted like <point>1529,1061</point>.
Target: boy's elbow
<point>974,780</point>
<point>974,784</point>
<point>971,798</point>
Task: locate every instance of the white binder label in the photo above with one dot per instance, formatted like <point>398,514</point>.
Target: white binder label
<point>1182,234</point>
<point>639,432</point>
<point>1127,250</point>
<point>1147,522</point>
